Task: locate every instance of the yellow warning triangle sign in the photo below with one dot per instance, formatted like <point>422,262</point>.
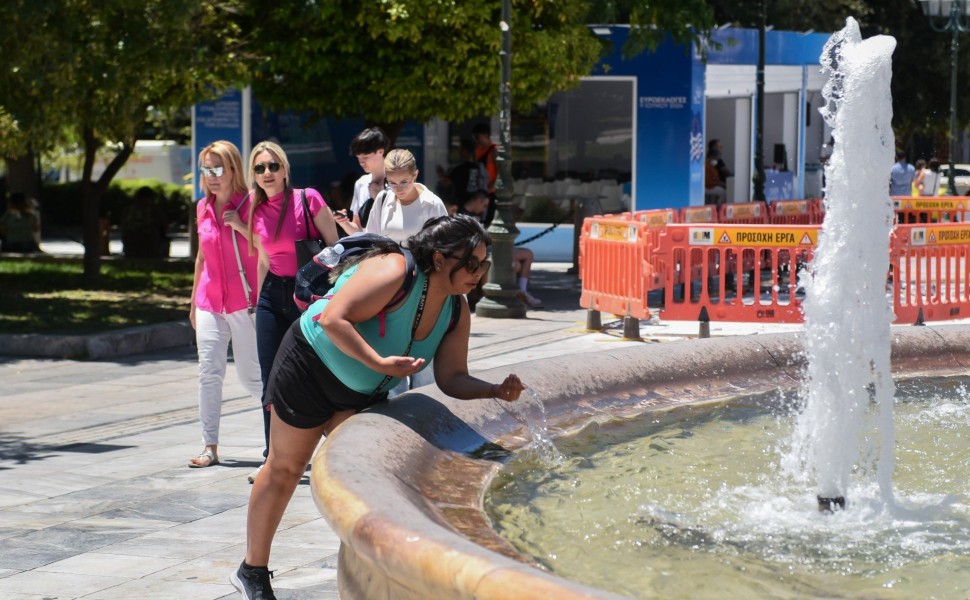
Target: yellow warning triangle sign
<point>806,240</point>
<point>932,238</point>
<point>725,239</point>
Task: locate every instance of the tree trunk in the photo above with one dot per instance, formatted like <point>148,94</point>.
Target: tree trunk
<point>22,176</point>
<point>91,193</point>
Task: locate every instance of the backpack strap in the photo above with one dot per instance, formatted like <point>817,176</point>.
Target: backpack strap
<point>455,313</point>
<point>409,277</point>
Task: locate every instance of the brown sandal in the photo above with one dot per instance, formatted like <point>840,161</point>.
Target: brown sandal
<point>207,458</point>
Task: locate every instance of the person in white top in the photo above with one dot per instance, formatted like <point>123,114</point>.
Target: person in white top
<point>369,146</point>
<point>401,210</point>
<point>930,184</point>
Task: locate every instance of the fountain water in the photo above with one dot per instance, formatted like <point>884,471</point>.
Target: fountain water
<point>847,315</point>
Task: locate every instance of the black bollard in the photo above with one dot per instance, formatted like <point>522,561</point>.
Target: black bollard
<point>829,504</point>
<point>593,321</point>
<point>705,321</point>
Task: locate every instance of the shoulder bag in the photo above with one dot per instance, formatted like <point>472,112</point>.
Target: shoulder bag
<point>308,247</point>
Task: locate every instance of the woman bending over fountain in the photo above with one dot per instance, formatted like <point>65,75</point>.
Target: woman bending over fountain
<point>342,355</point>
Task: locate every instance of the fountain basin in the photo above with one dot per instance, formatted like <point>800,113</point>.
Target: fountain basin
<point>402,486</point>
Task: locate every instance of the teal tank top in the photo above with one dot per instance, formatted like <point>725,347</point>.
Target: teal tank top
<point>397,334</point>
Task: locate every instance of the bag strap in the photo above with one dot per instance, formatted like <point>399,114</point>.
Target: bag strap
<point>306,211</point>
<point>242,272</point>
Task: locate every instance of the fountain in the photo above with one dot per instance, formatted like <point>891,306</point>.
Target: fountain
<point>847,316</point>
<point>403,484</point>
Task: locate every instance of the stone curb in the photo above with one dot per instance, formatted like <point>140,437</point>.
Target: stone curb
<point>99,346</point>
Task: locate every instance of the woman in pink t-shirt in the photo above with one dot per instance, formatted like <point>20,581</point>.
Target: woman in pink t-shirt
<point>277,219</point>
<point>223,292</point>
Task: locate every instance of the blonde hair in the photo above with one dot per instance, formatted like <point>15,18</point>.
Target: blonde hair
<point>232,160</point>
<point>399,160</point>
<point>259,194</point>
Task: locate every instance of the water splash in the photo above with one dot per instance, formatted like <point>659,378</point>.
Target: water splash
<point>848,390</point>
<point>529,411</point>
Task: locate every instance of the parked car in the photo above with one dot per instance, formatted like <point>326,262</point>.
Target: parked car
<point>961,179</point>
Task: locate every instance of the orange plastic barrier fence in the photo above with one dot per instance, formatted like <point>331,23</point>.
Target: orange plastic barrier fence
<point>701,266</point>
<point>796,212</point>
<point>614,255</point>
<point>744,212</point>
<point>931,209</point>
<point>930,272</point>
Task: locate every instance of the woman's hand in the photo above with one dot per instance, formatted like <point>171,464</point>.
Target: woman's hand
<point>400,366</point>
<point>232,219</point>
<point>509,390</point>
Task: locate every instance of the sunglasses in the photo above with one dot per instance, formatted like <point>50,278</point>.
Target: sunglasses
<point>399,185</point>
<point>476,265</point>
<point>260,168</point>
<point>212,171</point>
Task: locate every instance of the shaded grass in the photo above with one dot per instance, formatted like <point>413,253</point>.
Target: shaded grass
<point>48,295</point>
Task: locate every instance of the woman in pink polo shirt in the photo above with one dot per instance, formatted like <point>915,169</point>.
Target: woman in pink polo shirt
<point>277,219</point>
<point>223,291</point>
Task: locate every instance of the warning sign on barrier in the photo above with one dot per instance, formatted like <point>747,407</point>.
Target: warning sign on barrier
<point>791,207</point>
<point>743,211</point>
<point>606,231</point>
<point>941,204</point>
<point>753,236</point>
<point>938,236</point>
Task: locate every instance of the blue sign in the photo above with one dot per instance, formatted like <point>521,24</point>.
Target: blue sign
<point>219,119</point>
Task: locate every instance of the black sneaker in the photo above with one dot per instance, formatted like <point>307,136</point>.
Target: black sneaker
<point>253,582</point>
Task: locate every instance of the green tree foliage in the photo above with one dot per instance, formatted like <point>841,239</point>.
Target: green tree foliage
<point>391,60</point>
<point>92,72</point>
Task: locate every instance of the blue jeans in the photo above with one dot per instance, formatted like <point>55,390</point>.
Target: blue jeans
<point>275,312</point>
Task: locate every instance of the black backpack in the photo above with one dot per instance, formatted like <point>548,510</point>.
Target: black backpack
<point>313,279</point>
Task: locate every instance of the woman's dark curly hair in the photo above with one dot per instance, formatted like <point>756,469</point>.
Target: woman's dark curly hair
<point>455,237</point>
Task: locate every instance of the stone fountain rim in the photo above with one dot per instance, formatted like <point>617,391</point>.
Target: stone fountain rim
<point>377,480</point>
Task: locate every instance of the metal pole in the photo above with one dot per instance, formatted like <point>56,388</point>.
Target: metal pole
<point>501,292</point>
<point>759,136</point>
<point>954,47</point>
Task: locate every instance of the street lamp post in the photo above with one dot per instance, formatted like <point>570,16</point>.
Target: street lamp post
<point>501,292</point>
<point>952,16</point>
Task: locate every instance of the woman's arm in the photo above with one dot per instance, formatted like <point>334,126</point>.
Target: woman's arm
<point>366,293</point>
<point>262,263</point>
<point>199,265</point>
<point>451,367</point>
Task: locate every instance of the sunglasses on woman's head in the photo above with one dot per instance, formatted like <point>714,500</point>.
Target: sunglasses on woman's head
<point>212,171</point>
<point>260,168</point>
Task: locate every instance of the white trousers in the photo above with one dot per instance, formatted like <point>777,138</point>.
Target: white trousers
<point>213,331</point>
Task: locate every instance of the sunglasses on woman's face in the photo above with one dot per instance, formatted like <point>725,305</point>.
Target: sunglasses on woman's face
<point>475,265</point>
<point>260,168</point>
<point>212,171</point>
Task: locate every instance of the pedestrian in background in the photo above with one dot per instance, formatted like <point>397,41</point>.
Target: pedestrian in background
<point>901,176</point>
<point>930,184</point>
<point>402,210</point>
<point>369,146</point>
<point>223,291</point>
<point>347,348</point>
<point>277,218</point>
<point>19,225</point>
<point>920,170</point>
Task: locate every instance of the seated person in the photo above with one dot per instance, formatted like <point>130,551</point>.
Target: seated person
<point>714,191</point>
<point>477,206</point>
<point>19,226</point>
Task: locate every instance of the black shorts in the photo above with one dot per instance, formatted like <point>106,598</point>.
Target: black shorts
<point>303,391</point>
